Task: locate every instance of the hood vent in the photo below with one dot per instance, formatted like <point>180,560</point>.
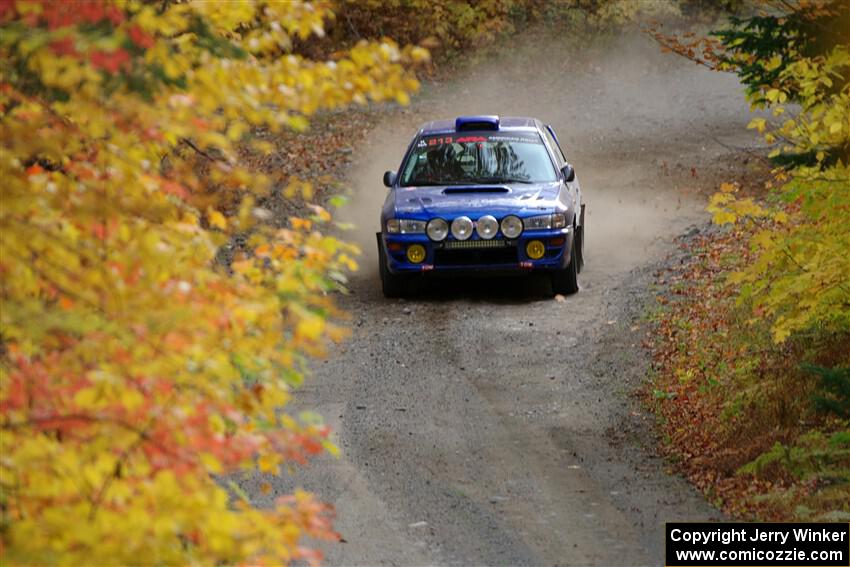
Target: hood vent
<point>474,189</point>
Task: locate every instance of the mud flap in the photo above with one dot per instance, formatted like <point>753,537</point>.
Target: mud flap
<point>581,239</point>
<point>382,258</point>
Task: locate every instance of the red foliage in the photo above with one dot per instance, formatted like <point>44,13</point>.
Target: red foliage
<point>173,188</point>
<point>59,13</point>
<point>7,10</point>
<point>140,37</point>
<point>64,46</point>
<point>111,61</point>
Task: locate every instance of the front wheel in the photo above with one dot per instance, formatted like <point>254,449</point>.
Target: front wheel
<point>565,282</point>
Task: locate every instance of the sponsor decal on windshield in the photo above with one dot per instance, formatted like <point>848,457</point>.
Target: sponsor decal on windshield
<point>441,139</point>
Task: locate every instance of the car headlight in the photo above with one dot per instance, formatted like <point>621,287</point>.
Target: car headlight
<point>462,228</point>
<point>511,226</point>
<point>487,227</point>
<point>437,229</point>
<point>405,226</point>
<point>557,220</point>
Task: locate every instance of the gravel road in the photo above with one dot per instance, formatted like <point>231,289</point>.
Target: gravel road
<point>483,422</point>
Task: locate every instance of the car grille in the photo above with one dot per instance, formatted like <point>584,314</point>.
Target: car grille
<point>475,252</point>
<point>467,244</point>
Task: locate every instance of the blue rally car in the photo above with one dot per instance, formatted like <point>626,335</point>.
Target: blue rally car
<point>482,194</point>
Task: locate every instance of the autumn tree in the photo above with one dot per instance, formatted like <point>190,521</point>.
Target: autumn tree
<point>455,27</point>
<point>756,394</point>
<point>134,368</point>
<point>794,59</point>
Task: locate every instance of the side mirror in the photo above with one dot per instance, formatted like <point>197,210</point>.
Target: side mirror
<point>569,173</point>
<point>389,178</point>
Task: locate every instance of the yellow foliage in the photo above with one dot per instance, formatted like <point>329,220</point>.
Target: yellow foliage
<point>801,278</point>
<point>133,365</point>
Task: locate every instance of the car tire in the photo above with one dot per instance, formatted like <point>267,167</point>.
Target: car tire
<point>565,282</point>
<point>392,285</point>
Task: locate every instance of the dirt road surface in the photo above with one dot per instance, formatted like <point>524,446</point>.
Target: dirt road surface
<point>483,422</point>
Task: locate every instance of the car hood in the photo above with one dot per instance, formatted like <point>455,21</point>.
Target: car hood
<point>496,199</point>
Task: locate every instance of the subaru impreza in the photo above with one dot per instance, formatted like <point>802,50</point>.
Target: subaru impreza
<point>484,195</point>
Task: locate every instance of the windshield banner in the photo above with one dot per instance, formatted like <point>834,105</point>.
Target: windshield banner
<point>478,137</point>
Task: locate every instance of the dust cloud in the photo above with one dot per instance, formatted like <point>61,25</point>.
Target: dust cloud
<point>636,124</point>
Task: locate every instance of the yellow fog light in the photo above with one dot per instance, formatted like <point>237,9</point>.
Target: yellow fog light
<point>534,249</point>
<point>416,253</point>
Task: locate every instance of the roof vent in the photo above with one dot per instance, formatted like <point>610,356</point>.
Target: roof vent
<point>484,122</point>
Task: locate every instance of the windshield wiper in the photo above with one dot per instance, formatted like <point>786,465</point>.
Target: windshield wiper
<point>502,180</point>
<point>425,183</point>
<point>447,183</point>
<point>477,181</point>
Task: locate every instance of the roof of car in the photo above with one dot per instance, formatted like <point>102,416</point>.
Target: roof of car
<point>505,123</point>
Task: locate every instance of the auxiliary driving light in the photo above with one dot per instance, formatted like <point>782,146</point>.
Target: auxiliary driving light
<point>416,253</point>
<point>535,249</point>
<point>511,226</point>
<point>487,227</point>
<point>437,229</point>
<point>462,228</point>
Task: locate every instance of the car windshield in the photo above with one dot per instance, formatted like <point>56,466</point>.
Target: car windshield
<point>478,157</point>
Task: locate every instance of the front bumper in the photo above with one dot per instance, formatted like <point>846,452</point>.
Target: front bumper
<point>476,255</point>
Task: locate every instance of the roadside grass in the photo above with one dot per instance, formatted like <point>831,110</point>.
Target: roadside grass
<point>737,413</point>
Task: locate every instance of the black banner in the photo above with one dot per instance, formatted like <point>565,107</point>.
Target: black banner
<point>762,545</point>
